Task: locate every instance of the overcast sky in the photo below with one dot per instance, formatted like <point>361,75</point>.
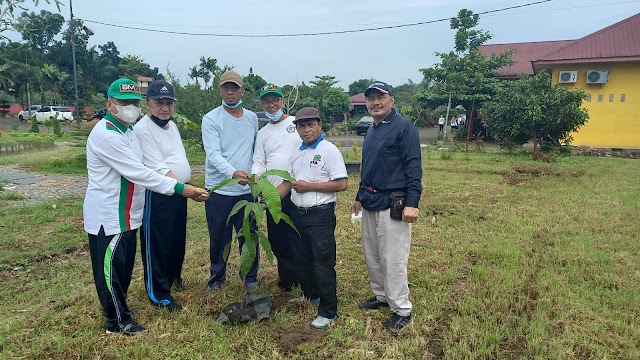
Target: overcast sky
<point>392,55</point>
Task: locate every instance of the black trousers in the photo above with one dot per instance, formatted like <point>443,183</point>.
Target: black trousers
<point>315,256</point>
<point>112,263</point>
<point>163,239</point>
<point>280,240</point>
<point>217,208</point>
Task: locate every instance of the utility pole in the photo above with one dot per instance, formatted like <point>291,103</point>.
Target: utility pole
<point>446,119</point>
<point>73,56</point>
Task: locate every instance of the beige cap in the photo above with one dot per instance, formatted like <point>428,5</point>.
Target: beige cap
<point>231,76</point>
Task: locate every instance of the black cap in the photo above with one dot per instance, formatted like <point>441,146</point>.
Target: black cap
<point>380,86</point>
<point>160,89</point>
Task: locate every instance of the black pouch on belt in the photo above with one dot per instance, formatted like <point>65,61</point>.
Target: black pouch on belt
<point>398,202</point>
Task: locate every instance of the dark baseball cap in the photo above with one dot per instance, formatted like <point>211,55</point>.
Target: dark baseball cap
<point>380,86</point>
<point>160,89</point>
<point>306,114</point>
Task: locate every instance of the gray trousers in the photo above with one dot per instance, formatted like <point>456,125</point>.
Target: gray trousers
<point>386,252</point>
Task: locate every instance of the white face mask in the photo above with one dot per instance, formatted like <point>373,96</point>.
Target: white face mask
<point>129,113</point>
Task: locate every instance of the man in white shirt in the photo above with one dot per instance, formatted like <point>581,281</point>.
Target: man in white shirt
<point>228,134</point>
<point>114,201</point>
<point>441,122</point>
<point>320,172</point>
<point>273,148</point>
<point>164,223</point>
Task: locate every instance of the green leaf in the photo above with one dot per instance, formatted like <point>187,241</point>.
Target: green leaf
<point>271,198</point>
<point>227,249</point>
<point>248,255</point>
<point>258,211</point>
<point>288,220</point>
<point>255,189</point>
<point>282,173</point>
<point>236,208</point>
<point>246,225</point>
<point>245,261</point>
<point>266,245</point>
<point>223,184</point>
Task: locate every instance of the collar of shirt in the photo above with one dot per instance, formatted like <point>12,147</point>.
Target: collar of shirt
<point>392,115</point>
<point>313,146</point>
<point>117,123</point>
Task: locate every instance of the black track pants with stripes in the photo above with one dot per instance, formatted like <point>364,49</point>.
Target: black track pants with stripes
<point>112,260</point>
<point>162,243</point>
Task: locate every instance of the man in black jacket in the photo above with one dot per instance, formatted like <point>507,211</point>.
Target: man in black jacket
<point>391,170</point>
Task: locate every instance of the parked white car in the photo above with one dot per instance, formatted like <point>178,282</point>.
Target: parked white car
<point>24,114</point>
<point>61,113</point>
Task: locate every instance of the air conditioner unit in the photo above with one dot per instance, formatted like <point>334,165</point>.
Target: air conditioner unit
<point>597,76</point>
<point>568,77</point>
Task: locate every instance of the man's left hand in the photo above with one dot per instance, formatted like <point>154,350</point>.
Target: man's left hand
<point>302,186</point>
<point>410,214</point>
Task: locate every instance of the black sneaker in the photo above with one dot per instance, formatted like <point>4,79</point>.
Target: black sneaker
<point>171,307</point>
<point>397,322</point>
<point>178,284</point>
<point>130,329</point>
<point>214,287</point>
<point>373,304</point>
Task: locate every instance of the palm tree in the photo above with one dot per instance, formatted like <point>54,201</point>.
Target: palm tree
<point>194,73</point>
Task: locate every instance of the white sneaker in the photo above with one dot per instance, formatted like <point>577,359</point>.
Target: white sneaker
<point>322,322</point>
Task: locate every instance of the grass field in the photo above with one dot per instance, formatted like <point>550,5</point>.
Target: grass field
<point>511,259</point>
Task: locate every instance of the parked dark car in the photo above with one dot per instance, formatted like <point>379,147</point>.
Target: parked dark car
<point>100,114</point>
<point>363,125</point>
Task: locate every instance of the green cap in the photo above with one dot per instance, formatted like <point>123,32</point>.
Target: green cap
<point>271,89</point>
<point>124,89</point>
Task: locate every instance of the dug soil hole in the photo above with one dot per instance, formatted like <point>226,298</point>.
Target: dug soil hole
<point>291,338</point>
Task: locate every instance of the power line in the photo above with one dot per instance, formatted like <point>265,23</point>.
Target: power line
<point>311,34</point>
<point>355,24</point>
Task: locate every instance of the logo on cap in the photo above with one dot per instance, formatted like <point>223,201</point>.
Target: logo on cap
<point>164,89</point>
<point>129,88</point>
<point>270,87</point>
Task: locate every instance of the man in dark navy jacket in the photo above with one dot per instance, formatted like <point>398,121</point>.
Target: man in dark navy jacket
<point>391,169</point>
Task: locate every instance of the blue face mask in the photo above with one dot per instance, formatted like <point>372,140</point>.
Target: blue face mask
<point>232,106</point>
<point>275,117</point>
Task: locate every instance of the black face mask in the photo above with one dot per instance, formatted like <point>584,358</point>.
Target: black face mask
<point>160,122</point>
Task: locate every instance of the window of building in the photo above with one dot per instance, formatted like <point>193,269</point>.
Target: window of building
<point>588,97</point>
<point>610,97</point>
<point>599,97</point>
<point>621,97</point>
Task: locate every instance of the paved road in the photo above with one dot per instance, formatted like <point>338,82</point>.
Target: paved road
<point>427,136</point>
<point>9,123</point>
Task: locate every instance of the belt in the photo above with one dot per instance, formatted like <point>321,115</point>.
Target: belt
<point>315,209</point>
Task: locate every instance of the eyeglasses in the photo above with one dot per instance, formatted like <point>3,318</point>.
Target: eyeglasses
<point>270,102</point>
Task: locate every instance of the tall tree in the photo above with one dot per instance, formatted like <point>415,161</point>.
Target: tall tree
<point>533,108</point>
<point>359,86</point>
<point>335,104</point>
<point>39,30</point>
<point>465,75</point>
<point>133,66</point>
<point>8,8</point>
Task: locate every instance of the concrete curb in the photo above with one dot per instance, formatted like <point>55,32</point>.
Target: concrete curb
<point>340,133</point>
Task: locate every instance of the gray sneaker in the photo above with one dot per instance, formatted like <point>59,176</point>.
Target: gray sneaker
<point>215,287</point>
<point>131,329</point>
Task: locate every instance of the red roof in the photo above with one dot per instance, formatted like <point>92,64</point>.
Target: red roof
<point>523,54</point>
<point>358,99</point>
<point>620,41</point>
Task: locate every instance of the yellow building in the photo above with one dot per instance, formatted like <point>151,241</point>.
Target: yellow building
<point>606,65</point>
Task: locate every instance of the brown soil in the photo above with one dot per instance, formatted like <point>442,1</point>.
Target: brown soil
<point>291,338</point>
